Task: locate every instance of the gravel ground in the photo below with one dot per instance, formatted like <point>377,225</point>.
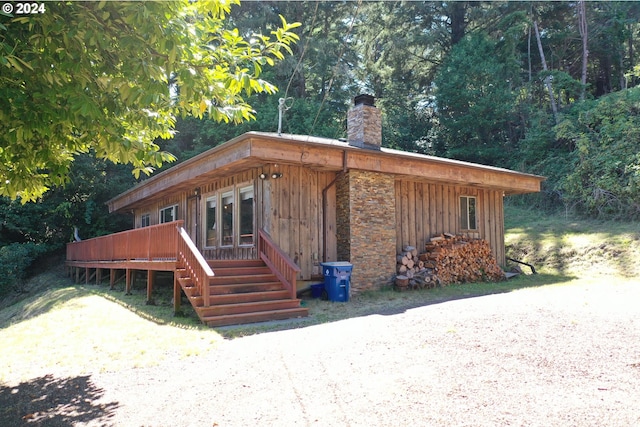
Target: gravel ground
<point>555,356</point>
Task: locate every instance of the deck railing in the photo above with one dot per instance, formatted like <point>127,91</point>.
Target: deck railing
<point>157,242</point>
<point>191,259</point>
<point>279,262</point>
<point>163,243</point>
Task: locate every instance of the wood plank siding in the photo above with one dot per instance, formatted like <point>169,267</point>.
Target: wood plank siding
<point>296,181</point>
<point>289,208</point>
<point>424,209</point>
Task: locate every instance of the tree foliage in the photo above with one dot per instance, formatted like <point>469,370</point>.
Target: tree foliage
<point>605,178</point>
<point>110,78</point>
<point>15,260</point>
<point>459,79</point>
<point>475,104</point>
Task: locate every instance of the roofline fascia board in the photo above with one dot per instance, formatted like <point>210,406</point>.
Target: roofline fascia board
<point>180,172</point>
<point>331,155</point>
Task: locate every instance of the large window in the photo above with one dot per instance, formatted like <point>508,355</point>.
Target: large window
<point>468,213</point>
<point>233,213</point>
<point>168,214</point>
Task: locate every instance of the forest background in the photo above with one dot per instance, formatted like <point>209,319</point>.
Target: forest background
<point>550,88</point>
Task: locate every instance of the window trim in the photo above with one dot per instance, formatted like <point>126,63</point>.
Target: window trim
<point>174,208</point>
<point>239,190</point>
<point>205,220</point>
<point>217,195</point>
<point>144,216</point>
<point>468,213</point>
<point>221,196</point>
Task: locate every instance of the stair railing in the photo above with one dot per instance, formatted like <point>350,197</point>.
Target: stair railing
<point>194,263</point>
<point>279,262</point>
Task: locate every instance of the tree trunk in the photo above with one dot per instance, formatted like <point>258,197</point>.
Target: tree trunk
<point>458,21</point>
<point>547,81</point>
<point>631,58</point>
<point>582,25</point>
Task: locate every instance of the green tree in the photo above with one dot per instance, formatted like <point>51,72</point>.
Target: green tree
<point>317,78</point>
<point>604,179</point>
<point>110,78</point>
<point>475,104</point>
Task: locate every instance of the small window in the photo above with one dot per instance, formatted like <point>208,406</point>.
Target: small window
<point>468,213</point>
<point>227,218</point>
<point>212,229</point>
<point>145,220</point>
<point>169,214</point>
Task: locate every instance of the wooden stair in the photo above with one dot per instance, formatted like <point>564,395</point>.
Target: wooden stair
<point>242,291</point>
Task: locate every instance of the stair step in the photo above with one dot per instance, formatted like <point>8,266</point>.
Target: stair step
<point>239,297</point>
<point>248,307</point>
<point>235,288</point>
<point>221,299</point>
<point>243,279</point>
<point>235,263</point>
<point>261,316</point>
<point>191,291</point>
<point>241,291</point>
<point>185,282</point>
<point>241,271</point>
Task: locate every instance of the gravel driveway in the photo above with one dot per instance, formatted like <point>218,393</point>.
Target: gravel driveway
<point>555,356</point>
<point>550,356</point>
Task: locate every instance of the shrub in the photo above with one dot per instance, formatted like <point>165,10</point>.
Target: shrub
<point>605,179</point>
<point>15,261</point>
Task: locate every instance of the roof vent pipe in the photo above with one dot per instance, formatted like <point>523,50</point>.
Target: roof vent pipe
<point>282,107</point>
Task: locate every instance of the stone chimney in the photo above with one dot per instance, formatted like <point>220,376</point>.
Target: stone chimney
<point>364,123</point>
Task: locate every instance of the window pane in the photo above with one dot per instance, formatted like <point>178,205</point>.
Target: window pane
<point>212,232</point>
<point>246,216</point>
<point>168,214</point>
<point>472,213</point>
<point>227,218</point>
<point>464,214</point>
<point>146,220</point>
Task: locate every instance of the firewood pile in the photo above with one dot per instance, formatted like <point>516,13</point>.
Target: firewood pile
<point>448,259</point>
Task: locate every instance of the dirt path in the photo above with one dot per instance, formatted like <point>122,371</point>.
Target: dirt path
<point>558,356</point>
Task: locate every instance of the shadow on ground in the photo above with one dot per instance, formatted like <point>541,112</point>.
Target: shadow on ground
<point>383,302</point>
<point>389,302</point>
<point>54,402</point>
<point>475,290</point>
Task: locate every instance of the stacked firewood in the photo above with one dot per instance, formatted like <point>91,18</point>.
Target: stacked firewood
<point>447,259</point>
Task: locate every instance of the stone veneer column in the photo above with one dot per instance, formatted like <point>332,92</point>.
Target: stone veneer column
<point>343,226</point>
<point>366,217</point>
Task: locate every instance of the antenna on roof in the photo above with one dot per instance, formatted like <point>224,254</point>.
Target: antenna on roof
<point>281,109</point>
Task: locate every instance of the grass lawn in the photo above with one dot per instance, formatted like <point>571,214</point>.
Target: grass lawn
<point>70,329</point>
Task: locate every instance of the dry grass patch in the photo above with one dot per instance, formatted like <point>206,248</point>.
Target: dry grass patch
<point>72,331</point>
<point>560,244</point>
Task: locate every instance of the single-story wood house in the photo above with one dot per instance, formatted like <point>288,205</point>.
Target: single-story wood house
<point>319,200</point>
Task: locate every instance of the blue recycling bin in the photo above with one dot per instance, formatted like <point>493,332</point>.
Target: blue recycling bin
<point>337,280</point>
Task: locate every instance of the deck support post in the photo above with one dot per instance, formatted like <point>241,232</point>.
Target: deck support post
<point>151,276</point>
<point>127,282</point>
<point>177,296</point>
<point>112,278</point>
<point>98,276</point>
<point>90,275</point>
<point>77,274</point>
<point>86,275</point>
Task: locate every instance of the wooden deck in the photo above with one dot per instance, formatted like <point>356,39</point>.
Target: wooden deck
<point>222,292</point>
